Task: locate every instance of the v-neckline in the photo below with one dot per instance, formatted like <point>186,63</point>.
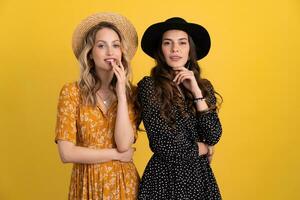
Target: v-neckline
<point>103,108</point>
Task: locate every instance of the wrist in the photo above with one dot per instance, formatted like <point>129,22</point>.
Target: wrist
<point>203,149</point>
<point>116,155</point>
<point>198,99</point>
<point>197,93</point>
<point>122,97</point>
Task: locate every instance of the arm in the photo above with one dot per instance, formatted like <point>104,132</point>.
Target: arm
<point>66,132</point>
<point>70,153</point>
<point>209,122</point>
<point>124,132</point>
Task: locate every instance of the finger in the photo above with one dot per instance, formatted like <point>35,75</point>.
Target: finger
<point>180,69</point>
<point>121,72</point>
<point>177,76</point>
<point>113,63</point>
<point>185,77</point>
<point>182,77</point>
<point>178,79</point>
<point>121,66</point>
<point>116,68</point>
<point>116,72</point>
<point>120,69</point>
<point>188,74</point>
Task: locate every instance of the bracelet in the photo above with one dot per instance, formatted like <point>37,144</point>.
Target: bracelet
<point>199,99</point>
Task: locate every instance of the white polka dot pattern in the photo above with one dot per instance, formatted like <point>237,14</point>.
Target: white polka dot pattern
<point>176,171</point>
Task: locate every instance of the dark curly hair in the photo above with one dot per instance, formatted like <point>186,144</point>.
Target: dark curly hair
<point>166,91</point>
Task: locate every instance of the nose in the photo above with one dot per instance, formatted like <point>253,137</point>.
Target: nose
<point>175,47</point>
<point>109,51</point>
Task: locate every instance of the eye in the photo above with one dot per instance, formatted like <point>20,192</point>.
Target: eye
<point>165,43</point>
<point>100,46</point>
<point>116,45</point>
<point>183,43</point>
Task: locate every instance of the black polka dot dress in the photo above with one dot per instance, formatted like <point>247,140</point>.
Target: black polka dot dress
<point>176,171</point>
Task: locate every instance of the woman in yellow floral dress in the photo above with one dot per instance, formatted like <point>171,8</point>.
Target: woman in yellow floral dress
<point>96,122</point>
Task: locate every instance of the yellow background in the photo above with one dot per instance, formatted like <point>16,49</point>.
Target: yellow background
<point>254,63</point>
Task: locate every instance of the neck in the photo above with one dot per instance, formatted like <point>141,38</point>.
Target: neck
<point>105,78</point>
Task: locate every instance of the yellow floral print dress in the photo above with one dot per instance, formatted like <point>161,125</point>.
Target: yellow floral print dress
<point>90,127</point>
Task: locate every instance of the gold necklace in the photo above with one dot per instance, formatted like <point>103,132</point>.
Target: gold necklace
<point>106,101</point>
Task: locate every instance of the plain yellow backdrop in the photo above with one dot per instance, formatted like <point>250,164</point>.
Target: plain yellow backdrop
<point>254,63</point>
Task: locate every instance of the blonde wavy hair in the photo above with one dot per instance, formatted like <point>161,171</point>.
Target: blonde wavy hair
<point>89,83</point>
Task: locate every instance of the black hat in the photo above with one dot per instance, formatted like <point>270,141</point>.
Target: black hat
<point>153,34</point>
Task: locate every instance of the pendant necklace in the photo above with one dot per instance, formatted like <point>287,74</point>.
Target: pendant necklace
<point>106,101</point>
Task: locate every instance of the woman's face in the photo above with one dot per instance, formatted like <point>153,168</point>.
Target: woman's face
<point>175,47</point>
<point>107,49</point>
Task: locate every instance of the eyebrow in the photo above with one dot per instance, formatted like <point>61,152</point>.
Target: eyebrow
<point>172,40</point>
<point>106,42</point>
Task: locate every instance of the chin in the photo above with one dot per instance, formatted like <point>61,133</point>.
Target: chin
<point>105,67</point>
<point>176,65</point>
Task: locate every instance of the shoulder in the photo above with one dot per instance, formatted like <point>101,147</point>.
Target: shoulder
<point>147,81</point>
<point>208,86</point>
<point>146,85</point>
<point>70,91</point>
<point>146,89</point>
<point>71,86</point>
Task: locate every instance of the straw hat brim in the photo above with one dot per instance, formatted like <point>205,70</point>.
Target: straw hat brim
<point>122,23</point>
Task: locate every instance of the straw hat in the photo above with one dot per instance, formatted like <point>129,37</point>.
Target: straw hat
<point>154,33</point>
<point>123,24</point>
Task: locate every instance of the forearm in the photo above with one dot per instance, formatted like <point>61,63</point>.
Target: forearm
<point>124,136</point>
<point>71,153</point>
<point>170,147</point>
<point>210,126</point>
<point>208,121</point>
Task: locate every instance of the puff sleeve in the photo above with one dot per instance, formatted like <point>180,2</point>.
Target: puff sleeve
<point>67,107</point>
<point>209,122</point>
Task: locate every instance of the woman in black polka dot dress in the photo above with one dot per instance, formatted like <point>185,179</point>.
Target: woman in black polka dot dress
<point>179,111</point>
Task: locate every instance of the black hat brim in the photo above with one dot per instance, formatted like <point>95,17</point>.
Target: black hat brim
<point>153,35</point>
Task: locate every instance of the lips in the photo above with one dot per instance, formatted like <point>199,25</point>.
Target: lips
<point>110,60</point>
<point>175,58</point>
